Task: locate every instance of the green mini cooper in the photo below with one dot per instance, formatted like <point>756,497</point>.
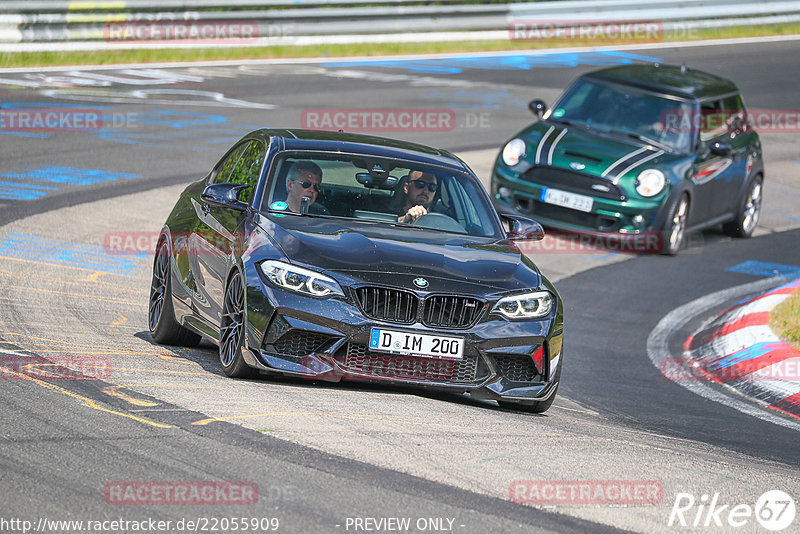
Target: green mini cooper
<point>637,149</point>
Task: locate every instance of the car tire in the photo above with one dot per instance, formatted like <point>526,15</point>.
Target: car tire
<point>675,226</point>
<point>749,211</point>
<point>232,330</point>
<point>534,406</point>
<point>161,314</point>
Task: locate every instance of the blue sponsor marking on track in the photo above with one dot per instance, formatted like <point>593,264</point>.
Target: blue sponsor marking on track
<point>762,268</point>
<point>41,249</point>
<point>17,191</point>
<point>456,65</point>
<point>750,353</point>
<point>71,175</point>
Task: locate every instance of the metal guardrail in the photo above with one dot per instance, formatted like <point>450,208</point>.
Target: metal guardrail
<point>59,25</point>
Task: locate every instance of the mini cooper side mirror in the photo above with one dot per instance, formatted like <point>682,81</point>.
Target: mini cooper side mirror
<point>225,195</point>
<point>537,107</point>
<point>721,149</point>
<point>523,229</point>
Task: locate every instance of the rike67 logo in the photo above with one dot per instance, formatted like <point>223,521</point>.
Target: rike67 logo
<point>774,510</point>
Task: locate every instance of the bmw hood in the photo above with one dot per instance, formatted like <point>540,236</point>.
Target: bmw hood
<point>379,253</point>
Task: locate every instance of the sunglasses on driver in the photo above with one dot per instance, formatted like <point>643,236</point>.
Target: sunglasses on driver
<point>307,184</point>
<point>420,184</point>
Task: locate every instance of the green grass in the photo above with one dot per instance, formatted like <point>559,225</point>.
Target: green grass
<point>105,57</point>
<point>785,320</point>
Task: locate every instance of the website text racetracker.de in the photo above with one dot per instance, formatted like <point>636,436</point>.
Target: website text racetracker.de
<point>142,526</point>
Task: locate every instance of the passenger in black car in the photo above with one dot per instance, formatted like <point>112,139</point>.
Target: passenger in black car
<point>420,190</point>
<point>304,180</point>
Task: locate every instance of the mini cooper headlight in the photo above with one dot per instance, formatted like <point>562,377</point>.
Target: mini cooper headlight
<point>650,182</point>
<point>525,306</point>
<point>299,280</point>
<point>513,151</point>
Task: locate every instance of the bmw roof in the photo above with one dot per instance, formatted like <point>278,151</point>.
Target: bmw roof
<point>345,142</point>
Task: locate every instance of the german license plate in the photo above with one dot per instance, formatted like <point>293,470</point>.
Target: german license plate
<point>566,199</point>
<point>409,344</point>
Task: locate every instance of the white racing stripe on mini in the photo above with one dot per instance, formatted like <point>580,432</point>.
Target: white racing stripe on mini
<point>541,143</point>
<point>623,158</point>
<point>634,165</point>
<point>553,146</point>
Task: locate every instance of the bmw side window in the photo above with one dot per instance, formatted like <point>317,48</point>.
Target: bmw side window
<point>225,167</point>
<point>248,169</point>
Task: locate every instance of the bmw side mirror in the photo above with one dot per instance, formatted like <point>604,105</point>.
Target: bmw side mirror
<point>225,195</point>
<point>523,229</point>
<point>537,107</point>
<point>721,149</point>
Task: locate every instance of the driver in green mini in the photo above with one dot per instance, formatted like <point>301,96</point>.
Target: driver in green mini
<point>420,190</point>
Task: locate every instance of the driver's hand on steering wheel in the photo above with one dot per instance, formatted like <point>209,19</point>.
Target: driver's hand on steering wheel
<point>412,214</point>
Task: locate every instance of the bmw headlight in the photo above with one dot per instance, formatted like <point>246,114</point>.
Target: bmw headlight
<point>650,182</point>
<point>513,151</point>
<point>299,280</point>
<point>525,306</point>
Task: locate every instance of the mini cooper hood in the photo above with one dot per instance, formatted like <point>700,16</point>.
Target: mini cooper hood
<point>572,147</point>
<point>378,252</point>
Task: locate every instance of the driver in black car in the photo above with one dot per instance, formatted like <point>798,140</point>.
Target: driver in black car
<point>420,190</point>
<point>303,181</point>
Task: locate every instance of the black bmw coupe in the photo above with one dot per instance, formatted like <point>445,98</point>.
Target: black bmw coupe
<point>340,256</point>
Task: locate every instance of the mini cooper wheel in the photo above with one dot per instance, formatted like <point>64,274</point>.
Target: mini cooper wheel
<point>232,332</point>
<point>675,226</point>
<point>748,213</point>
<point>161,315</point>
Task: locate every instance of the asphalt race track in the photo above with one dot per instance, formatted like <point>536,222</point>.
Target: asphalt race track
<point>343,457</point>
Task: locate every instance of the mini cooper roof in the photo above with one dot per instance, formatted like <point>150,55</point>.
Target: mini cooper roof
<point>351,143</point>
<point>671,79</point>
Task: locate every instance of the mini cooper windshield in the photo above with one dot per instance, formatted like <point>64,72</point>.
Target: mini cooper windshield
<point>605,107</point>
<point>379,190</point>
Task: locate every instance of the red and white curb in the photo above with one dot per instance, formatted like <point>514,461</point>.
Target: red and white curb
<point>738,350</point>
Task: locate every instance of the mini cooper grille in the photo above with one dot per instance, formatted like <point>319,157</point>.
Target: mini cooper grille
<point>357,359</point>
<point>385,304</point>
<point>516,367</point>
<point>574,181</point>
<point>300,342</point>
<point>451,311</point>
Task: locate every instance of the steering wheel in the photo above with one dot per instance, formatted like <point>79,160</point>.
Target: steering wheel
<point>439,221</point>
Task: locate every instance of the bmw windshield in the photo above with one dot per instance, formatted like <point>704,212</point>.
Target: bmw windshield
<point>379,190</point>
<point>627,112</point>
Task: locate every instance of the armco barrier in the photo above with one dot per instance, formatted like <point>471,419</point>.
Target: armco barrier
<point>61,25</point>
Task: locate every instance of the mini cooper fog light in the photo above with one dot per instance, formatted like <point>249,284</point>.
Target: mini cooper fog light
<point>650,182</point>
<point>513,151</point>
<point>638,220</point>
<point>505,192</point>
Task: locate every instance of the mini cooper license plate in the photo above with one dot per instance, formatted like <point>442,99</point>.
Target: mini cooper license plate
<point>416,344</point>
<point>567,200</point>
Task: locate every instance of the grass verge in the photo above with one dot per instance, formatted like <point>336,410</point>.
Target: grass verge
<point>106,57</point>
<point>784,320</point>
